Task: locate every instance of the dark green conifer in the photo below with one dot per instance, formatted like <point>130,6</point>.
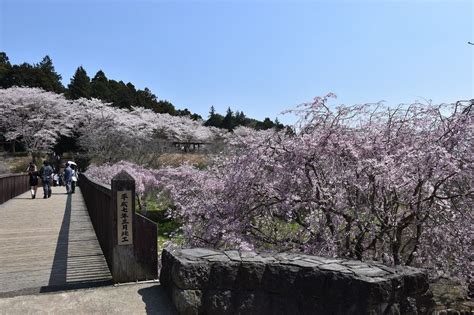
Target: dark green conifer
<point>100,86</point>
<point>80,85</point>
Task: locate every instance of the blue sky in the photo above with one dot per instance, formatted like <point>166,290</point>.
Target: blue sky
<point>257,56</point>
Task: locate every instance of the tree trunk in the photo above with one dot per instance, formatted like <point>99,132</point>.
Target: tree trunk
<point>396,246</point>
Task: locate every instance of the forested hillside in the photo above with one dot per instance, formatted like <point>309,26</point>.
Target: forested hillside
<point>117,93</point>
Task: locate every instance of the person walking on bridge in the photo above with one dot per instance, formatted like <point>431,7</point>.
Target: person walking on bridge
<point>46,174</point>
<point>33,173</point>
<point>68,178</point>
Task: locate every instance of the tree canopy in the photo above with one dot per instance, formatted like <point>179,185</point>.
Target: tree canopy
<point>80,85</point>
<point>42,75</point>
<point>366,181</point>
<point>233,120</point>
<point>363,181</point>
<point>116,93</point>
<point>38,119</point>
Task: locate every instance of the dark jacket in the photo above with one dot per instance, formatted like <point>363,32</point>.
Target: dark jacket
<point>46,173</point>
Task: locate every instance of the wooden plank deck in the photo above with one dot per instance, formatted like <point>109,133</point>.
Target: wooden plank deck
<point>48,244</point>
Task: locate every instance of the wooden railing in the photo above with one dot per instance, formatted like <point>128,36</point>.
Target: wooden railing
<point>129,262</point>
<point>146,247</point>
<point>12,185</point>
<point>97,197</point>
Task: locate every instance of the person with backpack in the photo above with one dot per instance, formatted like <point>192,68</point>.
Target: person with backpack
<point>46,174</point>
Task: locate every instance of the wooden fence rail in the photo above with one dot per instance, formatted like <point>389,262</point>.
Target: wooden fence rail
<point>97,197</point>
<point>137,259</point>
<point>12,185</point>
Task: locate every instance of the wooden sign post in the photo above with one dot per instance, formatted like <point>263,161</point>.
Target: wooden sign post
<point>123,200</point>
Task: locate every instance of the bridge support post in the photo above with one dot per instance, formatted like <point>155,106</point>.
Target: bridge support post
<point>123,215</point>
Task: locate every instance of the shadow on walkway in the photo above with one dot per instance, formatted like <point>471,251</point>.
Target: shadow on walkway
<point>48,245</point>
<point>58,279</point>
<point>157,301</point>
<point>59,269</point>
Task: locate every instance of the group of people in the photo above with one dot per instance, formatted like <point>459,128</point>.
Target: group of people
<point>47,175</point>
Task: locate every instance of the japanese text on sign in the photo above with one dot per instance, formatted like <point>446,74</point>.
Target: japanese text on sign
<point>124,217</point>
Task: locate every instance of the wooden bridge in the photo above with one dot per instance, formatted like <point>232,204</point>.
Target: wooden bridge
<point>68,241</point>
<point>48,243</point>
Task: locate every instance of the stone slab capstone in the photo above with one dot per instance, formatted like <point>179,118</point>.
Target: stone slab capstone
<point>207,281</point>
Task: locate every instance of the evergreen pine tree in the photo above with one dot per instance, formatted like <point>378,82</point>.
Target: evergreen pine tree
<point>228,121</point>
<point>267,123</point>
<point>212,111</point>
<point>240,119</point>
<point>214,120</point>
<point>22,75</point>
<point>183,112</point>
<point>100,87</point>
<point>5,68</point>
<point>145,98</point>
<point>164,107</point>
<point>278,126</point>
<point>47,77</point>
<point>80,85</point>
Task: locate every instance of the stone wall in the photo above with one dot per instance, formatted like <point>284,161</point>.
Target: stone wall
<point>204,281</point>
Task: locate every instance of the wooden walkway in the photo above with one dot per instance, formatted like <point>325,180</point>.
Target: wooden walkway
<point>48,244</point>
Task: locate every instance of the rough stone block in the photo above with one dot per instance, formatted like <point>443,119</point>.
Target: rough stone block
<point>277,304</point>
<point>414,282</point>
<point>223,275</point>
<point>311,283</point>
<point>250,302</point>
<point>202,281</point>
<point>199,252</point>
<point>166,267</point>
<point>233,255</point>
<point>187,302</point>
<point>190,275</point>
<point>279,278</point>
<point>249,276</point>
<point>218,302</point>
